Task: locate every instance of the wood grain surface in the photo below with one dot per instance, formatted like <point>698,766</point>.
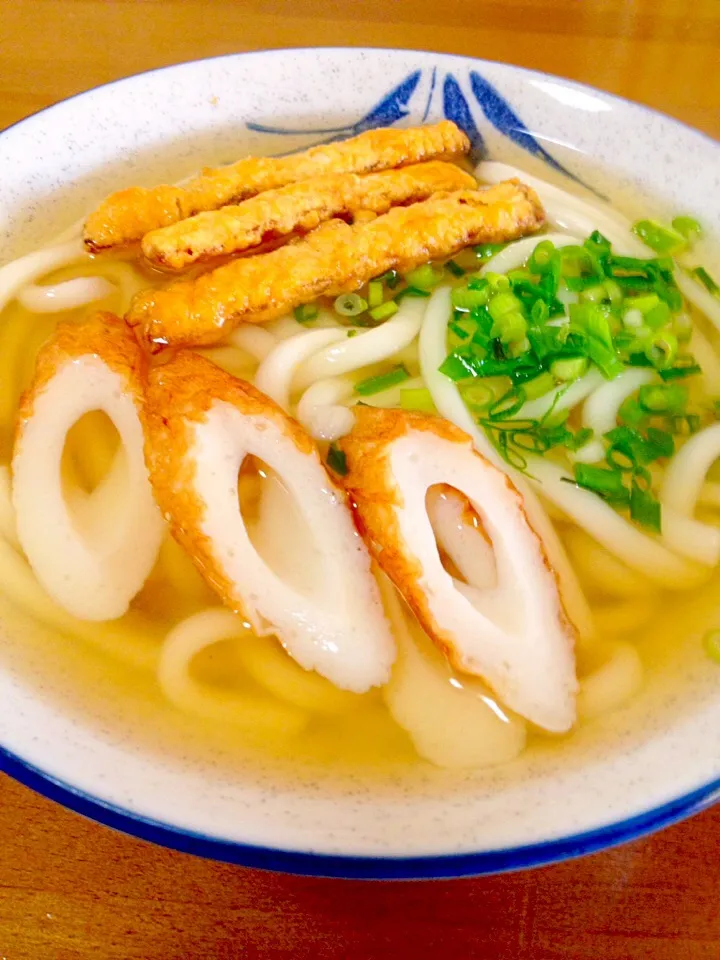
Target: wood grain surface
<point>70,889</point>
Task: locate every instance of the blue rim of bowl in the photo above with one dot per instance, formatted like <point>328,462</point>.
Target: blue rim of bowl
<point>340,865</point>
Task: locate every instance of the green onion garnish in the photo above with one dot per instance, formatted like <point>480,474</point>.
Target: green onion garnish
<point>466,299</point>
<point>662,349</point>
<point>306,312</point>
<point>569,368</point>
<point>454,268</point>
<point>372,385</point>
<point>424,277</point>
<point>508,404</point>
<point>478,395</point>
<point>384,311</point>
<point>391,278</point>
<point>375,293</point>
<point>687,227</point>
<point>685,366</point>
<point>707,281</point>
<point>485,251</point>
<point>410,292</point>
<point>336,460</point>
<point>711,644</point>
<point>417,399</point>
<point>671,399</point>
<point>662,239</point>
<point>539,386</point>
<point>606,483</point>
<point>644,508</point>
<point>350,305</point>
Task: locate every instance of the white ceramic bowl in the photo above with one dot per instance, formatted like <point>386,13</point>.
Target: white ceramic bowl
<point>70,729</point>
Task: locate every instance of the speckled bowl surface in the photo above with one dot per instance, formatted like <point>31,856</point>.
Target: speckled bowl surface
<point>102,742</point>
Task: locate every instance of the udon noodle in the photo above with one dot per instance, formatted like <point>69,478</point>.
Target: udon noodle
<point>454,490</point>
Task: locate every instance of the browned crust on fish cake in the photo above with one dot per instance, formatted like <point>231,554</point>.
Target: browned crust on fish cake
<point>103,335</point>
<point>331,260</point>
<point>298,207</point>
<point>179,395</point>
<point>373,496</point>
<point>126,216</point>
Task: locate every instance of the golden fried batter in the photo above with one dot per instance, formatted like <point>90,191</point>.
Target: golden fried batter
<point>126,216</point>
<point>296,207</point>
<point>333,259</point>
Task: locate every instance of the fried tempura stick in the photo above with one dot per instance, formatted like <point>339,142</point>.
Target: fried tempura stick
<point>296,207</point>
<point>332,259</point>
<point>126,216</point>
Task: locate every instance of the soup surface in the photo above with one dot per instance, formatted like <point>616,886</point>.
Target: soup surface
<point>578,354</point>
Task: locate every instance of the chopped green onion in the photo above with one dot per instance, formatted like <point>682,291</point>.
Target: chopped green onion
<point>508,404</point>
<point>352,333</point>
<point>662,350</point>
<point>631,412</point>
<point>306,312</point>
<point>384,311</point>
<point>661,239</point>
<point>336,460</point>
<point>497,282</point>
<point>707,281</point>
<point>424,277</point>
<point>350,305</point>
<point>569,368</point>
<point>685,366</point>
<point>465,299</point>
<point>542,256</point>
<point>686,425</point>
<point>606,483</point>
<point>383,381</point>
<point>711,644</point>
<point>511,328</point>
<point>670,399</point>
<point>687,227</point>
<point>478,395</point>
<point>485,251</point>
<point>661,442</point>
<point>391,278</point>
<point>410,292</point>
<point>375,293</point>
<point>644,508</point>
<point>458,366</point>
<point>539,386</point>
<point>454,268</point>
<point>417,399</point>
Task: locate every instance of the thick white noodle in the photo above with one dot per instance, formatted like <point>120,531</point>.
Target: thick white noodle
<point>276,373</point>
<point>94,558</point>
<point>367,346</point>
<point>599,568</point>
<point>601,407</point>
<point>322,411</point>
<point>635,548</point>
<point>625,617</point>
<point>253,712</point>
<point>449,403</point>
<point>704,353</point>
<point>253,339</point>
<point>131,640</point>
<point>515,254</point>
<point>685,474</point>
<point>68,295</point>
<point>390,398</point>
<point>567,211</point>
<point>681,492</point>
<point>613,684</point>
<point>18,273</point>
<point>452,721</point>
<point>562,398</point>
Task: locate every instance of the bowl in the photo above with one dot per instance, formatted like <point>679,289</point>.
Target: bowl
<point>102,743</point>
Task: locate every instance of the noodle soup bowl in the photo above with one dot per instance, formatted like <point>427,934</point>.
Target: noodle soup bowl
<point>94,734</point>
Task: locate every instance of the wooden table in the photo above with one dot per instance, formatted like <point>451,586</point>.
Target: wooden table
<point>70,889</point>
